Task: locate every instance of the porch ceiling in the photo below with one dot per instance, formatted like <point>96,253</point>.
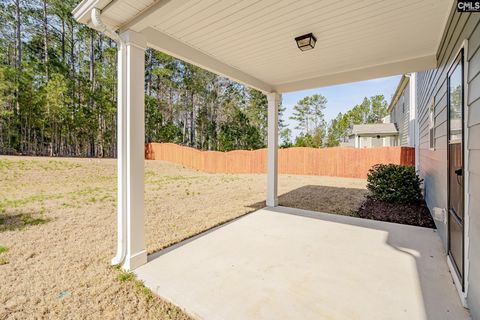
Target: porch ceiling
<point>252,41</point>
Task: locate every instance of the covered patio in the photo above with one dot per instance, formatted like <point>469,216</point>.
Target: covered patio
<point>278,263</point>
<point>285,263</point>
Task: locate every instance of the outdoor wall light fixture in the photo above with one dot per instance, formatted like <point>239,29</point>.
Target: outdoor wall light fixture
<point>306,42</point>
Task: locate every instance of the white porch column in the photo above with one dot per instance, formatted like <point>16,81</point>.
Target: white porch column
<point>413,135</point>
<point>131,142</point>
<point>272,164</point>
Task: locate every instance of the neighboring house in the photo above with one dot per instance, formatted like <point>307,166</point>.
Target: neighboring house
<point>374,135</point>
<point>398,127</point>
<point>401,114</point>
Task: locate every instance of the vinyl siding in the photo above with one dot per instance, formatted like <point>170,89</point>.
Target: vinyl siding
<point>433,163</point>
<point>400,116</point>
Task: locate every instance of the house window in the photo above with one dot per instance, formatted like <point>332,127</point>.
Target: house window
<point>455,104</point>
<point>431,125</point>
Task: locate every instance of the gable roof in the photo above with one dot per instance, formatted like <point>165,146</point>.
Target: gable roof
<point>375,128</point>
<point>398,92</point>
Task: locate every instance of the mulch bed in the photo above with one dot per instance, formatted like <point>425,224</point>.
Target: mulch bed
<point>413,214</point>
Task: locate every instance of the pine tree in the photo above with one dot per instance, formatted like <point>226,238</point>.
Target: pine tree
<point>58,91</point>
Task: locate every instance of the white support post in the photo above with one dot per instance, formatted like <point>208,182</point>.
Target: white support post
<point>131,140</point>
<point>272,169</point>
<point>413,135</point>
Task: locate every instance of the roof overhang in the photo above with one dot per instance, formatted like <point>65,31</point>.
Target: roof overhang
<point>398,92</point>
<point>375,129</point>
<point>252,42</point>
<point>82,11</point>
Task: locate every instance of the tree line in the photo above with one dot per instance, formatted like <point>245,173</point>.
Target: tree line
<point>58,91</point>
<point>314,130</point>
<point>58,94</point>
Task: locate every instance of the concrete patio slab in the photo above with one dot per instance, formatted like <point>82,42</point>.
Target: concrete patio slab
<point>287,263</point>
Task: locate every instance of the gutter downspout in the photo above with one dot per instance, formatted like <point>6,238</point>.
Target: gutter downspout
<point>413,134</point>
<point>121,139</point>
<point>102,27</point>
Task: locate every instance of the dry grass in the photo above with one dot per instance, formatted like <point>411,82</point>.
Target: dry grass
<point>57,225</point>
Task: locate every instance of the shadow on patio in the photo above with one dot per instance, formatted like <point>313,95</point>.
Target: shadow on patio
<point>324,199</point>
<point>320,198</point>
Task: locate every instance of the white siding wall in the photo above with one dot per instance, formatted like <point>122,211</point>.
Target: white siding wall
<point>374,142</point>
<point>433,164</point>
<point>400,115</point>
<point>365,142</point>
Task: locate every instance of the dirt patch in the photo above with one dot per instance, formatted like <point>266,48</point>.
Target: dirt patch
<point>412,214</point>
<point>59,225</point>
<point>18,221</point>
<point>344,201</point>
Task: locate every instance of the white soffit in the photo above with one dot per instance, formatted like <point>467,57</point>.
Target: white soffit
<point>254,39</point>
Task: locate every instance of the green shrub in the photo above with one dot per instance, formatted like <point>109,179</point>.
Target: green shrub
<point>394,183</point>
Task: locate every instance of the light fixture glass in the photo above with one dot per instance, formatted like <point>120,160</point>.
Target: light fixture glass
<point>306,42</point>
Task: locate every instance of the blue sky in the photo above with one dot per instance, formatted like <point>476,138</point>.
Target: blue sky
<point>341,98</point>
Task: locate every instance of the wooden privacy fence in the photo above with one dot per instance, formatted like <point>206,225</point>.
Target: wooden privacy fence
<point>338,162</point>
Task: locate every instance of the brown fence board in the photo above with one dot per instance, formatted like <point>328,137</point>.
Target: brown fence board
<point>339,162</point>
